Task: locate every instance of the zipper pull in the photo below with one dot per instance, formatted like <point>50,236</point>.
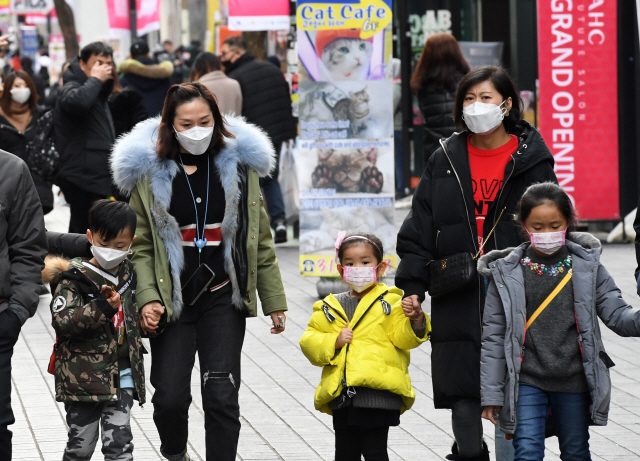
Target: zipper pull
<point>329,315</point>
<point>386,307</point>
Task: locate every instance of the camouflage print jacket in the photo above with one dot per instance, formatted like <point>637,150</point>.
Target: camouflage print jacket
<point>86,353</point>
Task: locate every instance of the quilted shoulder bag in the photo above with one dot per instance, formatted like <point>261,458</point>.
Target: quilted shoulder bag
<point>456,272</point>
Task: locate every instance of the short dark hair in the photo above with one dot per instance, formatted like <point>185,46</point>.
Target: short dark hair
<point>177,95</point>
<point>205,62</point>
<point>236,42</point>
<point>139,48</point>
<point>95,48</point>
<point>503,84</point>
<point>108,218</point>
<point>373,241</point>
<point>546,193</point>
<point>5,98</point>
<point>167,42</point>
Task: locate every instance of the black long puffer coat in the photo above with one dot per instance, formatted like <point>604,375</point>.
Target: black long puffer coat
<point>441,223</point>
<point>266,100</point>
<point>436,106</point>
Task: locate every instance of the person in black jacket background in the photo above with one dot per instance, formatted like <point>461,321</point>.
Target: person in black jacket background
<point>266,102</point>
<point>434,83</point>
<point>85,132</point>
<point>19,113</point>
<point>148,77</point>
<point>468,181</point>
<point>23,246</point>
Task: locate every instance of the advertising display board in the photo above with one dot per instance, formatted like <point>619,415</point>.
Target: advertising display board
<point>345,152</point>
<point>577,46</point>
<point>259,15</point>
<point>29,42</point>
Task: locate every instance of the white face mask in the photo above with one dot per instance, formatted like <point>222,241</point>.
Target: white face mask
<point>195,140</point>
<point>360,278</point>
<point>483,118</point>
<point>108,258</point>
<point>20,95</point>
<point>547,242</point>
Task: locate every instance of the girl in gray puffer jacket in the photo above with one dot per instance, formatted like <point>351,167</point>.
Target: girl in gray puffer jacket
<point>541,347</point>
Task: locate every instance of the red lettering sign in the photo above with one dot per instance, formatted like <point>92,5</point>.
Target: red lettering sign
<point>577,56</point>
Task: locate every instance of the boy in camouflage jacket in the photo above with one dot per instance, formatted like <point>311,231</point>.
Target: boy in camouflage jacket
<point>99,368</point>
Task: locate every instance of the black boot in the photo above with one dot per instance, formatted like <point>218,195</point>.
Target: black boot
<point>454,456</point>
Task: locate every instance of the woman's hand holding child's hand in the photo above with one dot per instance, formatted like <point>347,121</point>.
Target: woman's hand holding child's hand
<point>490,412</point>
<point>345,336</point>
<point>412,309</point>
<point>150,315</point>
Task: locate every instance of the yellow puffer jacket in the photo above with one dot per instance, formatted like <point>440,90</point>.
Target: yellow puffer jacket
<point>378,356</point>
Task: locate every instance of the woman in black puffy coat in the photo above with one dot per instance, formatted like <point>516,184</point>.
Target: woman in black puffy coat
<point>434,83</point>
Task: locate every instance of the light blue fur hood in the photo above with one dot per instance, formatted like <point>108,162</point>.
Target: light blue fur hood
<point>134,153</point>
<point>134,158</point>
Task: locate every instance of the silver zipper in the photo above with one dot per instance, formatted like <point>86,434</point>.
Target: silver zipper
<point>475,246</point>
<point>474,241</point>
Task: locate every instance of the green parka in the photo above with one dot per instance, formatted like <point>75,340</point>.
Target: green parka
<point>250,259</point>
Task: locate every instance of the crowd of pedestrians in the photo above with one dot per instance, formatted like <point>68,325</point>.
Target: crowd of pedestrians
<point>170,238</point>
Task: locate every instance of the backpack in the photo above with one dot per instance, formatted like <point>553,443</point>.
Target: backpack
<point>42,157</point>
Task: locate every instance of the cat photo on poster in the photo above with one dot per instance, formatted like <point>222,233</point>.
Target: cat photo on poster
<point>319,227</point>
<point>360,167</point>
<point>345,110</point>
<point>341,55</point>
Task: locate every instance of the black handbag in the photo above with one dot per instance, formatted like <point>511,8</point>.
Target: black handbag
<point>456,272</point>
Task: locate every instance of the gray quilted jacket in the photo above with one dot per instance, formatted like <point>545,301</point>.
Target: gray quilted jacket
<point>596,295</point>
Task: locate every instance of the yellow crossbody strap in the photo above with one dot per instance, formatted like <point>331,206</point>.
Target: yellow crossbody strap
<point>546,302</point>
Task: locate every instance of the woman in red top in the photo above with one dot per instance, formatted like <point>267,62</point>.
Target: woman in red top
<point>472,177</point>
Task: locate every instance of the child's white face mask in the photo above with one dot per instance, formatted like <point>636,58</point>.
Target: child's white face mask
<point>360,278</point>
<point>108,258</point>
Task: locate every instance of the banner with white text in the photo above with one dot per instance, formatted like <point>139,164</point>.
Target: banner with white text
<point>577,56</point>
<point>345,149</point>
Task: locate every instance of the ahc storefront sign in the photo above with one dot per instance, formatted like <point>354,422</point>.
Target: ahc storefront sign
<point>577,43</point>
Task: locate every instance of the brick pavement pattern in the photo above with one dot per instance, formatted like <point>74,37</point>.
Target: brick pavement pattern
<point>278,384</point>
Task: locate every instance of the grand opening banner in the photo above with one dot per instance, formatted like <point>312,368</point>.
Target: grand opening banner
<point>577,56</point>
<point>345,151</point>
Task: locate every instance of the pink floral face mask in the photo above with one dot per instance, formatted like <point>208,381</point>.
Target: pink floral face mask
<point>360,278</point>
<point>547,242</point>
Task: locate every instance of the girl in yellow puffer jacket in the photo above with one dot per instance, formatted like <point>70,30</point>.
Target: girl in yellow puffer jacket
<point>362,338</point>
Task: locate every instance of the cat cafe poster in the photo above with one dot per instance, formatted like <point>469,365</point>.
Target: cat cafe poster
<point>346,161</point>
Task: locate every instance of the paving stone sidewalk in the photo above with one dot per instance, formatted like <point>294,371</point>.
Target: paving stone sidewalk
<point>278,383</point>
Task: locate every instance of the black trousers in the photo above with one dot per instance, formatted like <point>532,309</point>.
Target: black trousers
<point>215,329</point>
<point>80,201</point>
<point>9,332</point>
<point>363,432</point>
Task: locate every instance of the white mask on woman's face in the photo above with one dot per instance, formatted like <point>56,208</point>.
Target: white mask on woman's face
<point>195,140</point>
<point>20,95</point>
<point>483,118</point>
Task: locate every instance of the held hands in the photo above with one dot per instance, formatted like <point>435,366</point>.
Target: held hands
<point>101,71</point>
<point>490,413</point>
<point>278,324</point>
<point>345,336</point>
<point>413,310</point>
<point>150,316</point>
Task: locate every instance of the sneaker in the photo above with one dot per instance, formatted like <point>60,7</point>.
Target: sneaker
<point>281,232</point>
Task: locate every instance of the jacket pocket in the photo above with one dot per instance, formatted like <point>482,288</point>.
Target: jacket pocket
<point>606,359</point>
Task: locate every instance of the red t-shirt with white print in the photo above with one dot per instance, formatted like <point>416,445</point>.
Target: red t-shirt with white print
<point>487,176</point>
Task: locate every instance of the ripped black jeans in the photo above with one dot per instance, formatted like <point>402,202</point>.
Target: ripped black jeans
<point>215,329</point>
